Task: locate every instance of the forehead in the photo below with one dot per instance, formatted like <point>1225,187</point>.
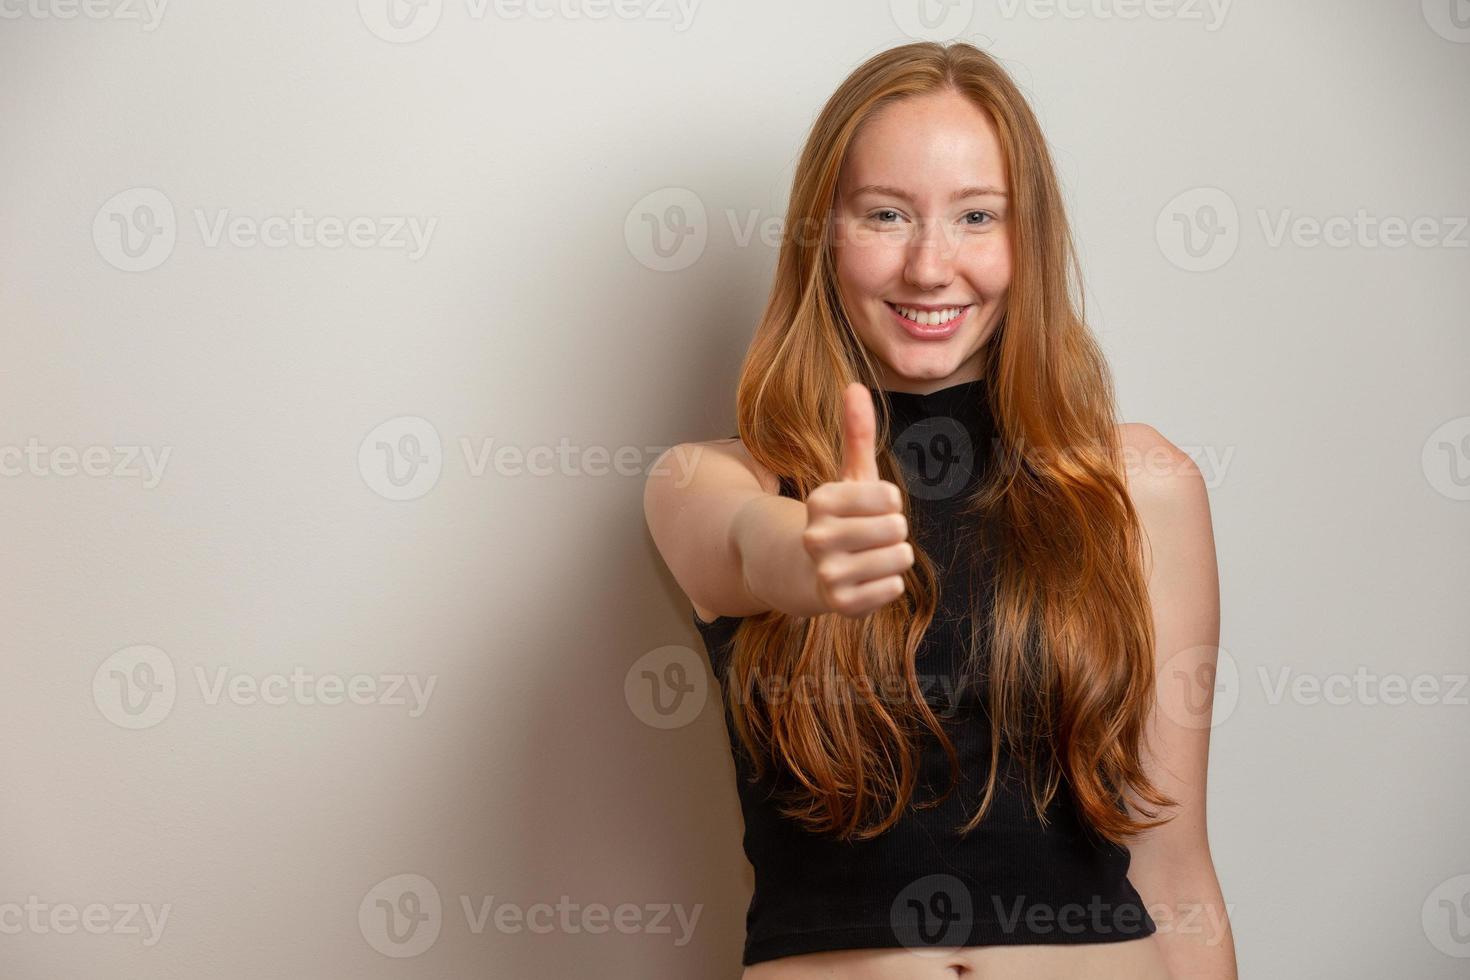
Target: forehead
<point>928,145</point>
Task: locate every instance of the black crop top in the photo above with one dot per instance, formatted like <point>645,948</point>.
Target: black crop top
<point>920,884</point>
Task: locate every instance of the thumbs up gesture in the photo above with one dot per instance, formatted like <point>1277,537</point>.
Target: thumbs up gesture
<point>856,533</point>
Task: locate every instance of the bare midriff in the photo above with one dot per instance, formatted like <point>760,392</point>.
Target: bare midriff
<point>1133,959</point>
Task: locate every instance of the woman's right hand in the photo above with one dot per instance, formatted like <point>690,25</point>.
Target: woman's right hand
<point>856,532</point>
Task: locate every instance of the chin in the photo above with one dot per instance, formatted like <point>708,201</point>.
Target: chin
<point>931,365</point>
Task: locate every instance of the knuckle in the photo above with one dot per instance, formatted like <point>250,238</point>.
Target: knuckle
<point>829,572</point>
<point>892,495</point>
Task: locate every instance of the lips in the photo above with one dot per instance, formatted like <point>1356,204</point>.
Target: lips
<point>929,331</point>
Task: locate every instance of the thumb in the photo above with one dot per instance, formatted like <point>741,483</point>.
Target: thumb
<point>859,434</point>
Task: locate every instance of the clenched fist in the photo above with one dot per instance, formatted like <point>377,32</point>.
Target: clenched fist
<point>856,533</point>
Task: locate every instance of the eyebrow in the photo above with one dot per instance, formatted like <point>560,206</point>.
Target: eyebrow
<point>978,190</point>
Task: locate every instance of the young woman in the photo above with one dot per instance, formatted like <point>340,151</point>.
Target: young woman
<point>935,577</point>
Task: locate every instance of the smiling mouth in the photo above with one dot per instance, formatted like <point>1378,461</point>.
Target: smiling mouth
<point>928,318</point>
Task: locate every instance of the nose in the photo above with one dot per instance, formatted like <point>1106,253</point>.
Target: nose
<point>930,262</point>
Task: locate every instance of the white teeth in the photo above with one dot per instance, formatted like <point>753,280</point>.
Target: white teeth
<point>930,319</point>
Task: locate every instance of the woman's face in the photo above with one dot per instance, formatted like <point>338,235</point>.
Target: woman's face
<point>920,229</point>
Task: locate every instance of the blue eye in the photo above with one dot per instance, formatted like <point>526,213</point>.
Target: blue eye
<point>884,211</point>
<point>983,214</point>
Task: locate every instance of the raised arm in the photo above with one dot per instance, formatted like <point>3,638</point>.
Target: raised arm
<point>729,539</point>
<point>737,547</point>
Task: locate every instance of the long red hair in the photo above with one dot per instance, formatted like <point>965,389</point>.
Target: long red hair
<point>1070,643</point>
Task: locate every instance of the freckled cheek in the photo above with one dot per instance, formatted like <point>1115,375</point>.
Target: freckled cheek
<point>988,269</point>
<point>870,268</point>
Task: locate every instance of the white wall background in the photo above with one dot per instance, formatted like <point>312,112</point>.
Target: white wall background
<point>1325,390</point>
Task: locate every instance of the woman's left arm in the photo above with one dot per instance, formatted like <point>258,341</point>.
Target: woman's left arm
<point>1171,867</point>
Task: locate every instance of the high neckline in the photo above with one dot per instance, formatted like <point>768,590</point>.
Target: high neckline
<point>966,401</point>
<point>944,440</point>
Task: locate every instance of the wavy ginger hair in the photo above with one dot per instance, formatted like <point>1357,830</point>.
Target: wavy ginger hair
<point>1071,664</point>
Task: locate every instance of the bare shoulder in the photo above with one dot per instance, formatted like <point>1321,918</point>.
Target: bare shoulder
<point>708,462</point>
<point>1169,493</point>
<point>1157,470</point>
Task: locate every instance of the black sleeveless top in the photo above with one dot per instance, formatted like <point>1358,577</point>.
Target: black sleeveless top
<point>920,884</point>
